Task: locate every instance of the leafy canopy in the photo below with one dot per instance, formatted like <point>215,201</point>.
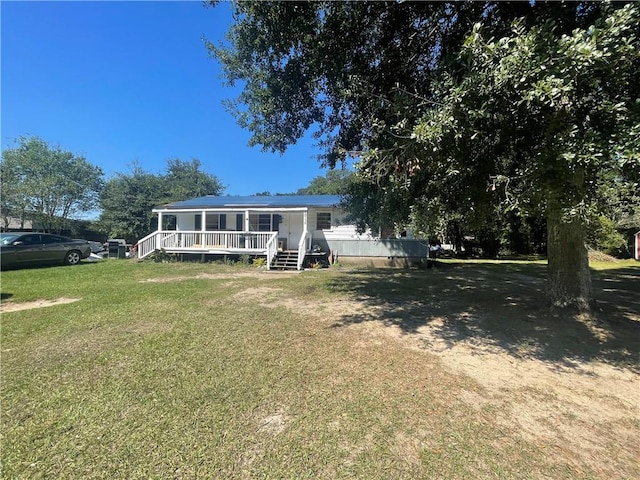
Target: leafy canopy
<point>548,117</point>
<point>335,182</point>
<point>127,200</point>
<point>47,184</point>
<point>380,81</point>
<point>453,109</point>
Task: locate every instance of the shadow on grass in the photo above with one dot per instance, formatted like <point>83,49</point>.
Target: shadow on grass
<point>47,265</point>
<point>503,306</point>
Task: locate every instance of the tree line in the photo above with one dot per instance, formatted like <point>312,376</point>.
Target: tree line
<point>50,187</point>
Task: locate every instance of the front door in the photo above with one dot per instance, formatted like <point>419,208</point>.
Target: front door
<point>291,228</point>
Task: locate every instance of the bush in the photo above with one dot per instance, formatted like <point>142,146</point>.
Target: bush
<point>602,235</point>
<point>161,256</point>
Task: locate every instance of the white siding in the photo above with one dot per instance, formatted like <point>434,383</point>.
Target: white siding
<point>340,229</point>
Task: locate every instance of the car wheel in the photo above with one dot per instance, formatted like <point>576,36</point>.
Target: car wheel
<point>72,258</point>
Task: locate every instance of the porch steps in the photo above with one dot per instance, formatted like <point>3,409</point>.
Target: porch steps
<point>285,260</point>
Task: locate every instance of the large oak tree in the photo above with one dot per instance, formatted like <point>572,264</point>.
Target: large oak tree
<point>452,107</point>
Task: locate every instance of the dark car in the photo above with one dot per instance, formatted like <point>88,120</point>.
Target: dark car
<point>23,249</point>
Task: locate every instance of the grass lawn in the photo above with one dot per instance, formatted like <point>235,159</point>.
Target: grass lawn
<point>187,370</point>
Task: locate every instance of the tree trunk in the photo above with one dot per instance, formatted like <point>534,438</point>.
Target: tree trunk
<point>568,276</point>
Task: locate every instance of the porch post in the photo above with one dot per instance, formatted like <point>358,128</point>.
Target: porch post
<point>159,221</point>
<point>305,226</point>
<point>246,220</point>
<point>305,221</point>
<point>203,228</point>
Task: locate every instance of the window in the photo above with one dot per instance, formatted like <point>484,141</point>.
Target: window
<point>215,221</point>
<point>53,239</point>
<point>260,222</point>
<point>30,239</point>
<point>169,222</point>
<point>323,221</point>
<point>7,238</point>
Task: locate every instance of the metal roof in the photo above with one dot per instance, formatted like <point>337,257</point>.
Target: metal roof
<point>264,201</point>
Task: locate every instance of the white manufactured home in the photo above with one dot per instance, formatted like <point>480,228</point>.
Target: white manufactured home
<point>288,230</point>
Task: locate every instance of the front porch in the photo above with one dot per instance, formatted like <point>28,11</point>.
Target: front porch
<point>220,243</point>
<point>256,226</point>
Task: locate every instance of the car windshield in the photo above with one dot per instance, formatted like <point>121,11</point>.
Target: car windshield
<point>7,238</point>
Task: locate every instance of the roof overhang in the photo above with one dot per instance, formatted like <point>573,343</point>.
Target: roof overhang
<point>232,209</point>
<point>273,203</point>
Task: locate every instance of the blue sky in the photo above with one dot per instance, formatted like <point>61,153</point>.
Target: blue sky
<point>124,82</point>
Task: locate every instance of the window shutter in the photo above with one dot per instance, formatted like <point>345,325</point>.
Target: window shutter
<point>239,222</point>
<point>198,222</point>
<point>223,221</point>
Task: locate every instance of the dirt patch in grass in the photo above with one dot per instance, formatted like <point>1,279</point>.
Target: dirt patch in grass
<point>18,306</point>
<point>273,423</point>
<point>269,296</point>
<point>258,274</point>
<point>567,384</point>
<point>598,256</point>
<point>585,412</point>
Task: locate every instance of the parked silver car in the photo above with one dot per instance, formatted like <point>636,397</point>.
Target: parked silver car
<point>23,249</point>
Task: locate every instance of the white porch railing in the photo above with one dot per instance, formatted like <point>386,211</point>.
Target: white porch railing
<point>272,249</point>
<point>147,245</point>
<point>209,242</point>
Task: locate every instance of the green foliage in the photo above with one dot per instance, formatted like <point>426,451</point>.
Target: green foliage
<point>260,262</point>
<point>246,260</point>
<point>226,260</point>
<point>331,65</point>
<point>549,117</point>
<point>543,110</point>
<point>127,200</point>
<point>522,236</point>
<point>370,75</point>
<point>602,235</point>
<point>335,182</point>
<point>47,184</point>
<point>185,180</point>
<point>162,256</point>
